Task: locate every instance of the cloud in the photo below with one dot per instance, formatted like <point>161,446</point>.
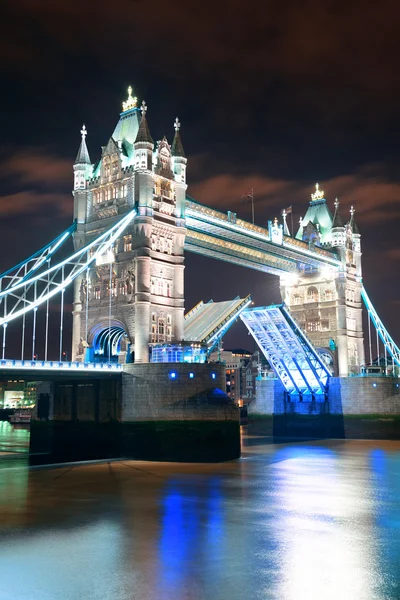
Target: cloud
<point>374,197</point>
<point>30,203</point>
<point>34,166</point>
<point>331,59</point>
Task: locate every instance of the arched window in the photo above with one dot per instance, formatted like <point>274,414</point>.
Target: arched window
<point>328,295</point>
<point>161,327</point>
<point>312,294</point>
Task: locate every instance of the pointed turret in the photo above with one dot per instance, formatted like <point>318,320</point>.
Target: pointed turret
<point>83,158</point>
<point>338,229</point>
<point>356,237</point>
<point>143,145</point>
<point>337,221</point>
<point>143,134</point>
<point>353,224</point>
<point>82,165</point>
<point>177,146</point>
<point>179,163</point>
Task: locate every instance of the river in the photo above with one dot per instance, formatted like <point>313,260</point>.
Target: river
<point>296,521</point>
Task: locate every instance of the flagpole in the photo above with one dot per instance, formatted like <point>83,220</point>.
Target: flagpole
<point>291,219</point>
<point>252,204</point>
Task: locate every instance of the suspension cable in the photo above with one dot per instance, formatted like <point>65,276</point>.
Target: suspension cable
<point>62,316</point>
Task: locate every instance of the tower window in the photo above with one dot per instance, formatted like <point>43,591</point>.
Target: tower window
<point>313,325</point>
<point>127,243</point>
<point>312,294</point>
<point>161,327</point>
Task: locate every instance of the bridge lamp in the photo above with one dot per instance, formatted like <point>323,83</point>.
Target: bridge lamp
<point>213,375</point>
<point>191,375</point>
<point>172,375</point>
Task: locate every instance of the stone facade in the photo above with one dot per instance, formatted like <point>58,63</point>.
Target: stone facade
<point>346,396</point>
<point>327,304</point>
<point>136,293</point>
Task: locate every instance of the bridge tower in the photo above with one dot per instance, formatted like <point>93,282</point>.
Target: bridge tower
<point>134,295</point>
<point>327,303</point>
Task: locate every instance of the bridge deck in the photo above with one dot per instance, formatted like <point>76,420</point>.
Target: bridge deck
<point>289,352</point>
<point>206,323</point>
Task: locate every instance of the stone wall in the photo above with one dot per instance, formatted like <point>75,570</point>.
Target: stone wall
<point>364,395</point>
<point>269,398</point>
<point>150,412</point>
<point>357,408</point>
<point>150,392</point>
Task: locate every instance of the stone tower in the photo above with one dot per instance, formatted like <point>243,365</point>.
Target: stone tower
<point>327,303</point>
<point>136,295</point>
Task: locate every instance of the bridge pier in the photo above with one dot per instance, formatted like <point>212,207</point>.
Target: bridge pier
<point>163,412</point>
<point>355,408</point>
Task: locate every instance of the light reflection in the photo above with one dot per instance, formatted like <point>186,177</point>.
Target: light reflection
<point>323,555</point>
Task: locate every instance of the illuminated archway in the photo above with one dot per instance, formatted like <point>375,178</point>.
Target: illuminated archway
<point>106,340</point>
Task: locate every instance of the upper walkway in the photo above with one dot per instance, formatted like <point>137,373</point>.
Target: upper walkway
<point>223,236</point>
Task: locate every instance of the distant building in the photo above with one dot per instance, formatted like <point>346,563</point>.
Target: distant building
<point>17,394</point>
<point>256,368</point>
<point>236,362</point>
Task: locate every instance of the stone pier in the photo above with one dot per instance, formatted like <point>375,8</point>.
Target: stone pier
<point>355,407</point>
<point>173,412</point>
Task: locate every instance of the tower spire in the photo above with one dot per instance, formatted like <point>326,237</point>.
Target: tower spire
<point>353,224</point>
<point>177,146</point>
<point>83,158</point>
<point>143,134</point>
<point>337,221</point>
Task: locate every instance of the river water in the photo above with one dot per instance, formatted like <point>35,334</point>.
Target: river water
<point>298,521</point>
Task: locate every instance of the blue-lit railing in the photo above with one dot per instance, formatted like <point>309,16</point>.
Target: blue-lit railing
<point>55,365</point>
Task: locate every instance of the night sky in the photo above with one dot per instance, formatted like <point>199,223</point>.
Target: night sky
<point>271,95</point>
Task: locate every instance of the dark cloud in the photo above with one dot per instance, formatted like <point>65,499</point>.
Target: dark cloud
<point>271,95</point>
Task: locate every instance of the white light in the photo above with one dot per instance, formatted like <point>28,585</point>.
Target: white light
<point>289,279</point>
<point>57,366</point>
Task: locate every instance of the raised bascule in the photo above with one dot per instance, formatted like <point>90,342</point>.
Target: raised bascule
<point>133,222</point>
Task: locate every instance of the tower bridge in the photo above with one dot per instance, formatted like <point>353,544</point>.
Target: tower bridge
<point>133,222</point>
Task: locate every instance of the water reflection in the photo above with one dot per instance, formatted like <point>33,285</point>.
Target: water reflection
<point>308,521</point>
<point>324,555</point>
<point>13,438</point>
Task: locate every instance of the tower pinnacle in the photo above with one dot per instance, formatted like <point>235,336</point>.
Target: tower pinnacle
<point>130,102</point>
<point>177,146</point>
<point>143,134</point>
<point>83,157</point>
<point>318,194</point>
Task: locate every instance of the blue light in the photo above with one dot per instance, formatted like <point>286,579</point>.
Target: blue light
<point>172,375</point>
<point>213,375</point>
<point>374,385</point>
<point>191,375</point>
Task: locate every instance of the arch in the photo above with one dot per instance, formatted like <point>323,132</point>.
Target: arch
<point>106,339</point>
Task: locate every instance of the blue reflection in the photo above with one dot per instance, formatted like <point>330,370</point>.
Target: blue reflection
<point>179,525</point>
